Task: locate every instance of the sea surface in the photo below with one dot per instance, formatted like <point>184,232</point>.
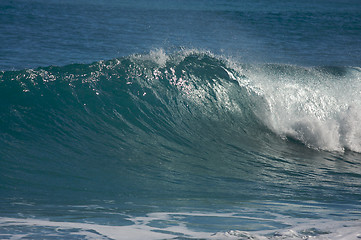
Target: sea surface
<point>180,119</point>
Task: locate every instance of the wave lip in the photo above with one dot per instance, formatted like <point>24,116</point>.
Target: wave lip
<point>314,106</point>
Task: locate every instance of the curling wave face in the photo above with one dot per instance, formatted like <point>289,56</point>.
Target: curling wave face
<point>186,95</point>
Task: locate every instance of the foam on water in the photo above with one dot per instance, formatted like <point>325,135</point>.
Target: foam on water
<point>173,225</point>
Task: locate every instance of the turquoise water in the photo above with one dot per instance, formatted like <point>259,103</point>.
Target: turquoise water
<point>180,120</point>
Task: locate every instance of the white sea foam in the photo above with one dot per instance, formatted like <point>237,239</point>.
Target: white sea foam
<point>177,227</point>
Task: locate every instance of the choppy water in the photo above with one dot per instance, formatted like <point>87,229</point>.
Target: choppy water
<point>207,120</point>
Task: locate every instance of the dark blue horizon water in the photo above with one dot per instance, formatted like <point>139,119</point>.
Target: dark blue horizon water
<point>42,33</point>
<point>180,119</point>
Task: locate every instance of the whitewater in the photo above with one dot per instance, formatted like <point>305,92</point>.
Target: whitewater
<point>180,120</point>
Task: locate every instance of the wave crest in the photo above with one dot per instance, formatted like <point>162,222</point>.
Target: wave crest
<point>190,92</point>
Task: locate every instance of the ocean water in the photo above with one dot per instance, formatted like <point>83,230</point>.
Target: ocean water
<point>180,119</point>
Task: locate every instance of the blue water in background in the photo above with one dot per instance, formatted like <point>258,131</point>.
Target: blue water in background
<point>180,119</point>
<point>38,33</point>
